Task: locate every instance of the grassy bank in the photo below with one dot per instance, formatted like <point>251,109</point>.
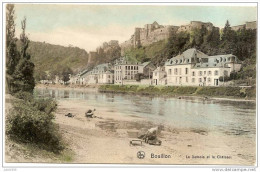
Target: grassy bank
<point>31,133</point>
<point>230,92</point>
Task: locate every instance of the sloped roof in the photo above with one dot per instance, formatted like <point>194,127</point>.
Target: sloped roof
<point>188,54</point>
<point>145,63</point>
<point>191,53</point>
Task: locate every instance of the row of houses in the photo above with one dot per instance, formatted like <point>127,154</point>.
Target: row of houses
<point>194,68</point>
<point>191,68</point>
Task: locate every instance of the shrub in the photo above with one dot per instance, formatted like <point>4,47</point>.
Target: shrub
<point>220,91</point>
<point>251,92</point>
<point>30,120</point>
<point>185,90</point>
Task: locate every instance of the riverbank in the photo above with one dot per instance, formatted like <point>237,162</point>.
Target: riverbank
<point>225,93</point>
<point>214,93</point>
<point>105,139</point>
<point>24,152</point>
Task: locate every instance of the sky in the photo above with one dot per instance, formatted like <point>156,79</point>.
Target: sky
<point>88,26</point>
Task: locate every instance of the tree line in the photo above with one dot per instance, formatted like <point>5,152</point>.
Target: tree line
<point>19,68</point>
<point>241,43</point>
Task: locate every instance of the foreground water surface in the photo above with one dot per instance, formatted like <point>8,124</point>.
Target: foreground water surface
<point>228,117</point>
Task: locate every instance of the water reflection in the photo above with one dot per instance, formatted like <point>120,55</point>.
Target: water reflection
<point>229,117</point>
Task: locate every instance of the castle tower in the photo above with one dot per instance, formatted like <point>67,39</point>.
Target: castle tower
<point>137,41</point>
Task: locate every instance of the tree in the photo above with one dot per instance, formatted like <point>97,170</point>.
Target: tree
<point>65,74</point>
<point>12,55</point>
<point>228,35</point>
<point>23,75</point>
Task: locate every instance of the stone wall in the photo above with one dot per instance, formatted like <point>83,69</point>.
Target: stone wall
<point>251,25</point>
<point>149,34</point>
<point>92,57</point>
<point>248,25</point>
<point>236,28</point>
<point>195,25</point>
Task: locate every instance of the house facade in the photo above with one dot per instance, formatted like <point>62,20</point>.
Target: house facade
<point>125,71</point>
<point>194,68</point>
<point>159,76</point>
<point>101,74</point>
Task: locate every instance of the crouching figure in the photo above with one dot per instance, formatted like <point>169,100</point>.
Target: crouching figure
<point>151,136</point>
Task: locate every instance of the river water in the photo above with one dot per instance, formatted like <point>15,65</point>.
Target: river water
<point>228,117</point>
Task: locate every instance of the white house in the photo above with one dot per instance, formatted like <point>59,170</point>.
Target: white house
<point>159,76</point>
<point>100,74</point>
<point>106,78</point>
<point>125,72</point>
<point>194,68</point>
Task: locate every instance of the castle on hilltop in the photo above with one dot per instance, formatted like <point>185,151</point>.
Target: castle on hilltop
<point>195,25</point>
<point>247,25</point>
<point>149,34</point>
<point>154,32</point>
<point>107,45</point>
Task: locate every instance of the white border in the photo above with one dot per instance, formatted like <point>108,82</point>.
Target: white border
<point>80,167</point>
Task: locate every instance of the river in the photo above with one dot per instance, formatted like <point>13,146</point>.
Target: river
<point>227,117</point>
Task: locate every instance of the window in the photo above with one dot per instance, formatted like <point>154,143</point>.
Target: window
<point>193,80</point>
<point>200,73</point>
<point>186,71</point>
<point>209,72</point>
<point>125,67</point>
<point>205,72</point>
<point>170,72</point>
<point>225,73</point>
<point>216,72</point>
<point>131,67</point>
<point>200,80</point>
<point>193,73</point>
<point>209,80</point>
<point>175,71</point>
<point>136,67</point>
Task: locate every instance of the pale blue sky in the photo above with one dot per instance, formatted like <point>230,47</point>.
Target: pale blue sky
<point>87,26</point>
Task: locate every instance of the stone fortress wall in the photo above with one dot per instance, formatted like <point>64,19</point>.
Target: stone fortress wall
<point>154,32</point>
<point>149,34</point>
<point>195,25</point>
<point>107,45</point>
<point>247,25</point>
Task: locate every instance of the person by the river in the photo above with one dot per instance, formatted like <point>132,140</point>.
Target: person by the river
<point>152,134</point>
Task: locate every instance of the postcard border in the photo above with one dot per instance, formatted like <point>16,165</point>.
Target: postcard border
<point>118,165</point>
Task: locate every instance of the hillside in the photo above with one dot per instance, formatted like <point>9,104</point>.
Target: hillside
<point>50,58</point>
